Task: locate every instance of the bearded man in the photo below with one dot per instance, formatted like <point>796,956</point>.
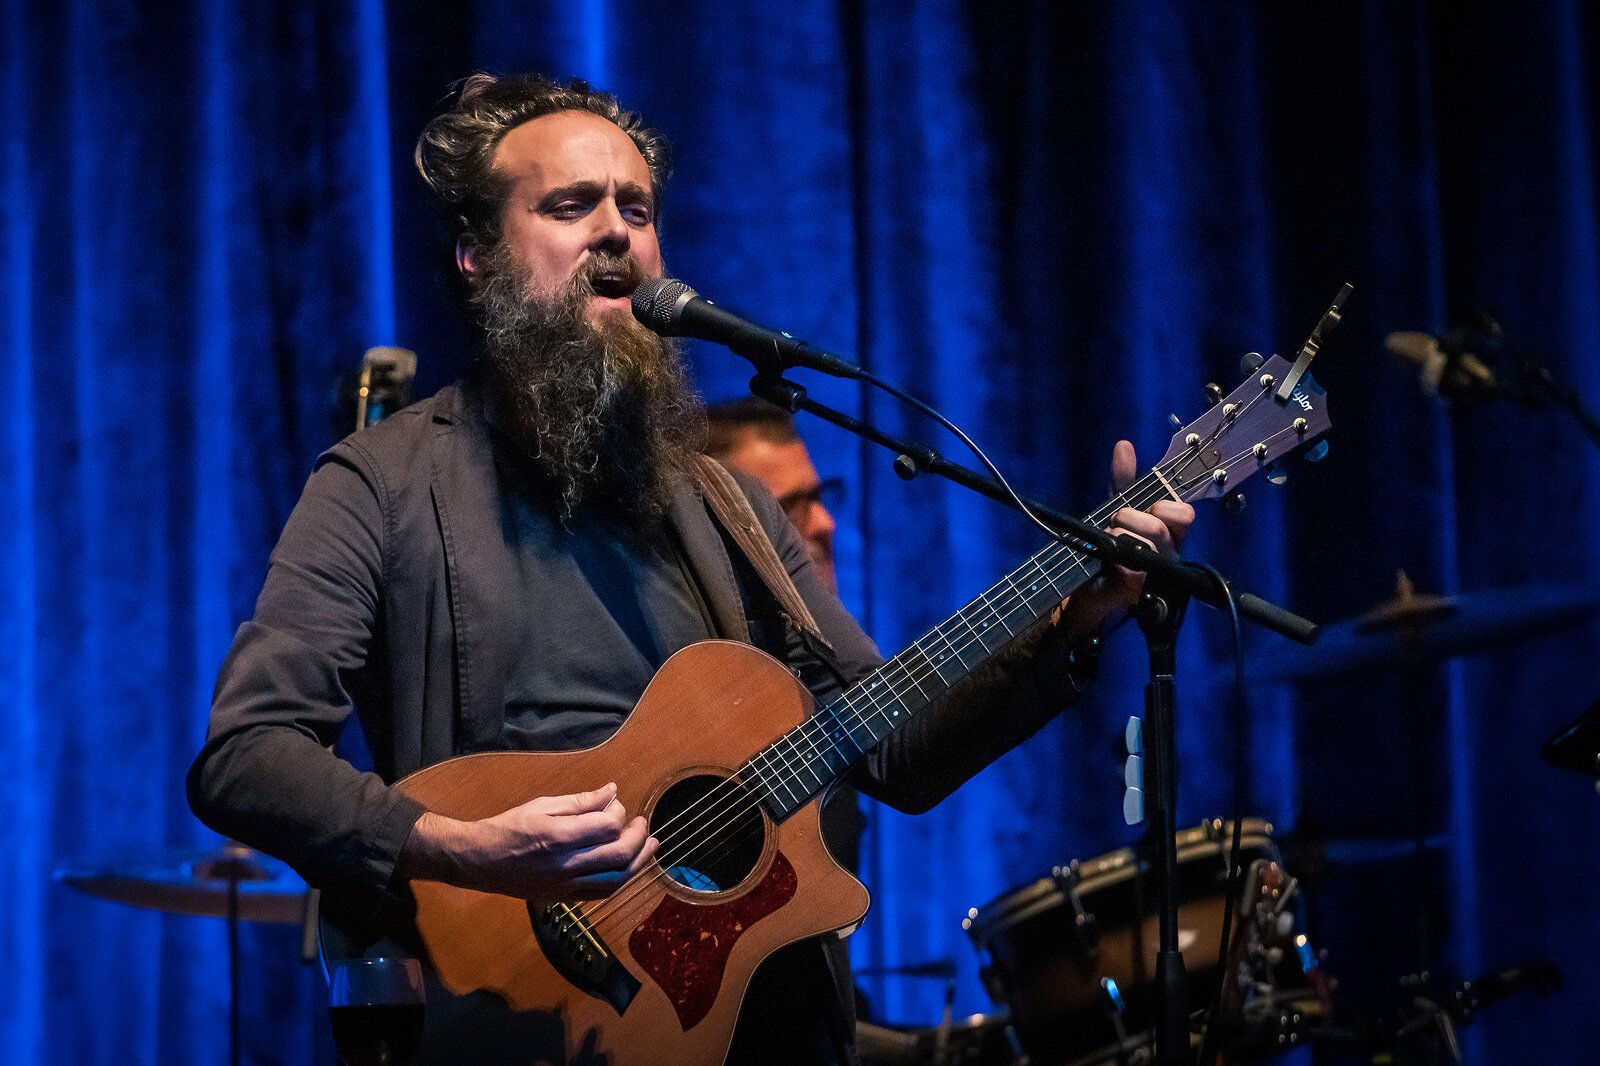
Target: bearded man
<point>505,565</point>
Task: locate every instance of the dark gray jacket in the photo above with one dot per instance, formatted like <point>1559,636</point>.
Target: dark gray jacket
<point>382,597</point>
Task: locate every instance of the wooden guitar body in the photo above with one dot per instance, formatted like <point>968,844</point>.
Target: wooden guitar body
<point>655,973</point>
<point>726,756</point>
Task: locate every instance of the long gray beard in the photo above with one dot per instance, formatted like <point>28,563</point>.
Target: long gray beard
<point>605,416</point>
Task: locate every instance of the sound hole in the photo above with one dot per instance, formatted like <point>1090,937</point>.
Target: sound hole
<point>711,831</point>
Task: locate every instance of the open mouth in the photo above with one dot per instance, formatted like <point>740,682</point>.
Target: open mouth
<point>615,284</point>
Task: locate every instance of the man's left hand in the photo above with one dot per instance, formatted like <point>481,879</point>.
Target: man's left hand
<point>1162,527</point>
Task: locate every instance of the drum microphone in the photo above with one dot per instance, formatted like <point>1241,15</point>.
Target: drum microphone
<point>385,383</point>
<point>669,307</point>
<point>1449,374</point>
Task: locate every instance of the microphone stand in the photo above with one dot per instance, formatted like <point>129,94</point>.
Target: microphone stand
<point>912,459</point>
<point>1169,586</point>
<point>1160,612</point>
<point>1544,384</point>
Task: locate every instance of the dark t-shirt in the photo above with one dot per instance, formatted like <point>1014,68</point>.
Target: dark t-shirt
<point>396,589</point>
<point>627,604</point>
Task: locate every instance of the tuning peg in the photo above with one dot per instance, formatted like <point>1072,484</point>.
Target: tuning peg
<point>1276,474</point>
<point>1177,423</point>
<point>1213,394</point>
<point>1317,452</point>
<point>1234,502</point>
<point>1250,362</point>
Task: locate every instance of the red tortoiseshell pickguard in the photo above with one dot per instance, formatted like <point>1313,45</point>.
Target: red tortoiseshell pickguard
<point>685,946</point>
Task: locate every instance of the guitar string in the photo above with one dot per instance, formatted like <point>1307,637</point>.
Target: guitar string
<point>764,772</point>
<point>735,797</point>
<point>822,722</point>
<point>712,806</point>
<point>737,791</point>
<point>811,731</point>
<point>820,725</point>
<point>718,834</point>
<point>724,807</point>
<point>761,764</point>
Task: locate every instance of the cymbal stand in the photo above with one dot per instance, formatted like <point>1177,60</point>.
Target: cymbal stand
<point>234,865</point>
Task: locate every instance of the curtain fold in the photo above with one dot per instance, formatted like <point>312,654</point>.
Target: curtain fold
<point>1056,222</point>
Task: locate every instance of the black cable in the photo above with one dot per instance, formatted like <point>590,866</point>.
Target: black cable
<point>994,471</point>
<point>1235,874</point>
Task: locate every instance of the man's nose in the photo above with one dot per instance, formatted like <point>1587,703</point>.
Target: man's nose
<point>610,229</point>
<point>821,521</point>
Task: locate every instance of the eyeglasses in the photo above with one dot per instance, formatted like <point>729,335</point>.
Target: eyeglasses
<point>829,492</point>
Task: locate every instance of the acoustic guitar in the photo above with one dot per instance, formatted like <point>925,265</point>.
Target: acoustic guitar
<point>727,756</point>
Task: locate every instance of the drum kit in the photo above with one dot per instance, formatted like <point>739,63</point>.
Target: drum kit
<point>1070,957</point>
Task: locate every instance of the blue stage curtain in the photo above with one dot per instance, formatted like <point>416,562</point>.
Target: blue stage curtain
<point>1056,222</point>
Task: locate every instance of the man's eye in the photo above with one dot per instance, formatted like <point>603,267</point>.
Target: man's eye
<point>569,209</point>
<point>638,214</point>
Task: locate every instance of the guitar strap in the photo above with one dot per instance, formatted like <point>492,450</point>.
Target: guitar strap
<point>733,512</point>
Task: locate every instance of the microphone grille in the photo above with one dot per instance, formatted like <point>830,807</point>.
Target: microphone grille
<point>656,302</point>
<point>1421,350</point>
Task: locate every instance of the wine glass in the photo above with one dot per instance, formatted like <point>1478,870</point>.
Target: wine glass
<point>375,1007</point>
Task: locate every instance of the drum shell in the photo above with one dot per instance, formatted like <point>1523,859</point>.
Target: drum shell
<point>1051,942</point>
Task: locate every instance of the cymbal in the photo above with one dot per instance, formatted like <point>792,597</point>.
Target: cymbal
<point>1577,746</point>
<point>197,883</point>
<point>1432,627</point>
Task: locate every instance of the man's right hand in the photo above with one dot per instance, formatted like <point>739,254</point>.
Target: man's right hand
<point>581,846</point>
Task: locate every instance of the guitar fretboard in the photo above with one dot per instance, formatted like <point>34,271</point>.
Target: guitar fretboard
<point>1203,458</point>
<point>804,761</point>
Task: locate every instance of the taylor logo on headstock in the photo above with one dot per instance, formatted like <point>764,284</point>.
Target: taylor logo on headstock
<point>726,754</point>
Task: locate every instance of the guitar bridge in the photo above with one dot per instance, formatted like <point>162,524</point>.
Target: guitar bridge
<point>575,948</point>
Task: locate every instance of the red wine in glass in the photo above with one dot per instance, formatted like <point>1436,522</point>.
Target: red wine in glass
<point>376,1011</point>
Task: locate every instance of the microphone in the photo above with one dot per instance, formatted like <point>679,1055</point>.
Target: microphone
<point>669,307</point>
<point>1452,375</point>
<point>384,385</point>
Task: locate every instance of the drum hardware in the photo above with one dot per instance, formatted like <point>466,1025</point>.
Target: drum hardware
<point>1067,878</point>
<point>377,389</point>
<point>1069,1004</point>
<point>1577,746</point>
<point>978,1040</point>
<point>1251,1017</point>
<point>1434,1014</point>
<point>1116,1008</point>
<point>197,883</point>
<point>1443,627</point>
<point>1411,631</point>
<point>232,882</point>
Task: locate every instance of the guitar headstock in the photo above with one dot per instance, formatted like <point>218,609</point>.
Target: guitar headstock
<point>1242,433</point>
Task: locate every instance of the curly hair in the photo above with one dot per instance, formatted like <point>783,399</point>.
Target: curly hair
<point>455,153</point>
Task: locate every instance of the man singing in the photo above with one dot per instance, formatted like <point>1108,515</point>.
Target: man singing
<point>505,565</point>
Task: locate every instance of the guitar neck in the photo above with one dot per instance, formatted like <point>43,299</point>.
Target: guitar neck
<point>1237,437</point>
<point>808,758</point>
